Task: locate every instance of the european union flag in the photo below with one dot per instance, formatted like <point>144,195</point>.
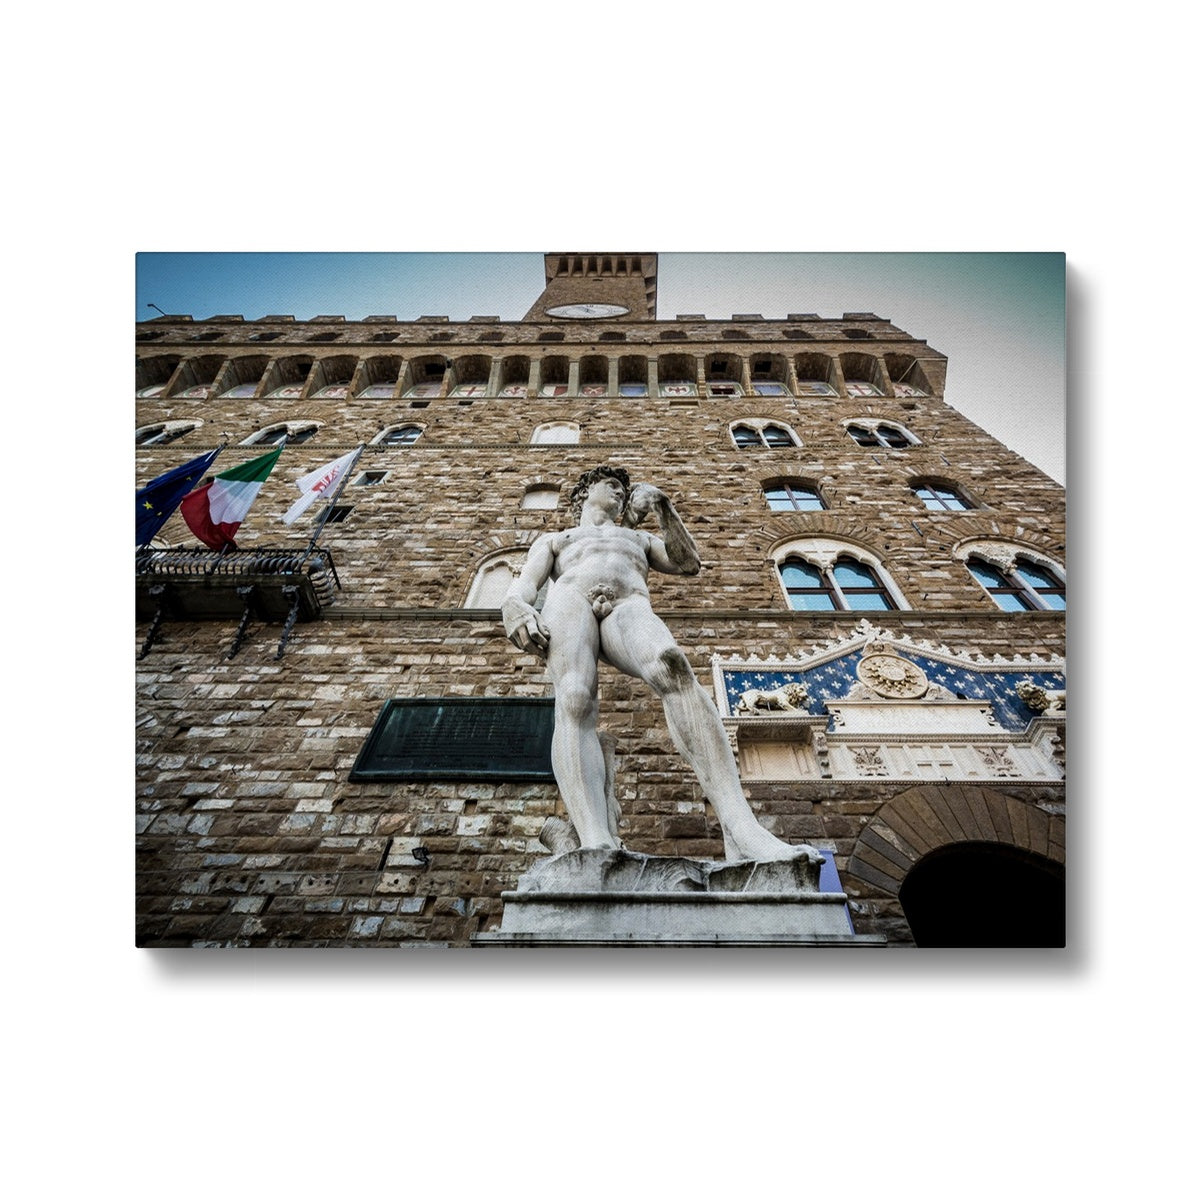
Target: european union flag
<point>161,496</point>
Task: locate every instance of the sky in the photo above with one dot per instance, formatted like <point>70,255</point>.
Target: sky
<point>999,317</point>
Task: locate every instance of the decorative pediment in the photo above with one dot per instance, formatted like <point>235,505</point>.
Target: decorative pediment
<point>872,665</point>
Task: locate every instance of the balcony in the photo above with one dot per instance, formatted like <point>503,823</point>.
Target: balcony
<point>204,585</point>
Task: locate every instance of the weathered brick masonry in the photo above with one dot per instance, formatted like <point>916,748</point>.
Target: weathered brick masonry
<point>249,829</point>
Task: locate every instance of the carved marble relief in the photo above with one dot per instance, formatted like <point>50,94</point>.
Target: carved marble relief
<point>928,711</point>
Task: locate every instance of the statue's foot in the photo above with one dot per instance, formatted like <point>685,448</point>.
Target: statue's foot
<point>558,836</point>
<point>757,845</point>
<point>561,837</point>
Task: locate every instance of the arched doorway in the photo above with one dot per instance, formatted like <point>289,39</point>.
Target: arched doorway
<point>985,894</point>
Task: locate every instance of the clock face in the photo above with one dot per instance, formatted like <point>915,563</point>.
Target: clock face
<point>587,311</point>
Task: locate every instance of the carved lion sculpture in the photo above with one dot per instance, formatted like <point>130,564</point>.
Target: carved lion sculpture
<point>789,698</point>
<point>1040,700</point>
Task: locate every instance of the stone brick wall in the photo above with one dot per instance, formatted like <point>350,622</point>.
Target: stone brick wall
<point>249,830</point>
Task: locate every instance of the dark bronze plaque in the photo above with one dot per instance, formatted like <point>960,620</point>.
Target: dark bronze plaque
<point>459,738</point>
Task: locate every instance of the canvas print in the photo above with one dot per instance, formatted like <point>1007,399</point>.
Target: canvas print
<point>635,599</point>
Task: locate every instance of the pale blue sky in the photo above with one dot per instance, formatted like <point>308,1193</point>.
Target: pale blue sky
<point>999,317</point>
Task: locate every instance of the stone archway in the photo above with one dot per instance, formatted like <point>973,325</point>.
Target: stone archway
<point>965,848</point>
<point>985,894</point>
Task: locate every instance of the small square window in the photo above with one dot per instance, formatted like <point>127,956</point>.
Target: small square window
<point>370,478</point>
<point>338,513</point>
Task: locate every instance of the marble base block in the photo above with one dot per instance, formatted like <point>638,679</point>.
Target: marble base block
<point>616,898</point>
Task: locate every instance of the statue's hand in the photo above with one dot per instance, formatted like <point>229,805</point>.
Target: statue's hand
<point>524,626</point>
<point>644,499</point>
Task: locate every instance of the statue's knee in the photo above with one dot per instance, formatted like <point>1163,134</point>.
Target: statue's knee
<point>672,672</point>
<point>574,700</point>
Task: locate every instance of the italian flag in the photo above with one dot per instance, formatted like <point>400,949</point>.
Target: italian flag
<point>214,511</point>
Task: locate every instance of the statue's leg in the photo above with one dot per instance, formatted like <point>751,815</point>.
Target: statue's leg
<point>638,643</point>
<point>576,753</point>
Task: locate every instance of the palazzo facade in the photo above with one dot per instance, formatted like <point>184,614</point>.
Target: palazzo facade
<point>336,745</point>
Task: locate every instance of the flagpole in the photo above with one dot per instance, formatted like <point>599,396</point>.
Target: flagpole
<point>332,501</point>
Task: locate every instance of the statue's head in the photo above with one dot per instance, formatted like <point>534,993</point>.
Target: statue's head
<point>580,492</point>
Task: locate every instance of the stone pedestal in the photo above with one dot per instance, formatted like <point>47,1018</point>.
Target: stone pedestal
<point>616,898</point>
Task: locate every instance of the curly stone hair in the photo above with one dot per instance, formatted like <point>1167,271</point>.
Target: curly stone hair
<point>580,491</point>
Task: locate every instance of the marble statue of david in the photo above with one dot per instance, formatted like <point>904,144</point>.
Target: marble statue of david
<point>598,608</point>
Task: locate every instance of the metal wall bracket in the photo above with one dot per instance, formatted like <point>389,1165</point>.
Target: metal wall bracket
<point>157,593</point>
<point>293,593</point>
<point>246,593</point>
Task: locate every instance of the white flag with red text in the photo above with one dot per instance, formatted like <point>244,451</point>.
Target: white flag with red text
<point>318,483</point>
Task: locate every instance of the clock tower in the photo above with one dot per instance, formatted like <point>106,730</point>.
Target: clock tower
<point>593,287</point>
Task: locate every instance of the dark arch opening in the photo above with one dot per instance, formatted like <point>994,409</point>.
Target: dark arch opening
<point>985,894</point>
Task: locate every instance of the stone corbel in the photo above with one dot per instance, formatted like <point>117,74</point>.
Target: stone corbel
<point>821,746</point>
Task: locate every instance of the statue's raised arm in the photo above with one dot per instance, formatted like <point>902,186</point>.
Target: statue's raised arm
<point>675,552</point>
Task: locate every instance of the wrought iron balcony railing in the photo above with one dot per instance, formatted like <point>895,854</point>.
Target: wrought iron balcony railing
<point>268,584</point>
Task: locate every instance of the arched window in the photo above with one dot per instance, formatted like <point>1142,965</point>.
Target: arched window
<point>941,497</point>
<point>748,435</point>
<point>564,433</point>
<point>290,433</point>
<point>846,584</point>
<point>493,578</point>
<point>540,495</point>
<point>167,431</point>
<point>879,433</point>
<point>823,574</point>
<point>1023,587</point>
<point>397,435</point>
<point>790,495</point>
